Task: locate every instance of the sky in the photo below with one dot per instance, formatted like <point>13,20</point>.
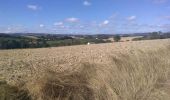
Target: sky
<point>84,16</point>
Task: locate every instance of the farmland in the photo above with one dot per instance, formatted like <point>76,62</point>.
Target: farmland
<point>139,58</point>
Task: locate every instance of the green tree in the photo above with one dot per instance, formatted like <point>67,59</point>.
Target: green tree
<point>117,38</point>
<point>154,35</point>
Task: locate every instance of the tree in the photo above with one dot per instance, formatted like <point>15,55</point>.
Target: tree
<point>117,38</point>
<point>154,35</point>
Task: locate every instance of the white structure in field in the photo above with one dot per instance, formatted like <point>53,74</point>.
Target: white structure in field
<point>88,43</point>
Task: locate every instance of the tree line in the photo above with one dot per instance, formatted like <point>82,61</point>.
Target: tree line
<point>12,42</point>
<point>21,43</point>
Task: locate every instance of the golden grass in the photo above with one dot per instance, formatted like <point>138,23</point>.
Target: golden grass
<point>8,92</point>
<point>136,74</point>
<point>140,75</point>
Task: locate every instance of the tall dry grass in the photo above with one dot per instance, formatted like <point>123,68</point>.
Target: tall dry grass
<point>8,92</point>
<point>140,75</point>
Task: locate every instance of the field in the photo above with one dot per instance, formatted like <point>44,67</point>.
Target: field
<point>134,70</point>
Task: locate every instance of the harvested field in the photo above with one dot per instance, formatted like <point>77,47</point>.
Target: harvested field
<point>116,71</point>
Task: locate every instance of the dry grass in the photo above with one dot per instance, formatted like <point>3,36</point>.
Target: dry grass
<point>137,74</point>
<point>141,76</point>
<point>8,92</point>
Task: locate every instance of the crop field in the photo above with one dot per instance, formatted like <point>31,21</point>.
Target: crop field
<point>133,70</point>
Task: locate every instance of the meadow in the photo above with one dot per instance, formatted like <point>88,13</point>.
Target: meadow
<point>133,70</point>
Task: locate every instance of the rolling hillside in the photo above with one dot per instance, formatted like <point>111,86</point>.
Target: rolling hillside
<point>110,71</point>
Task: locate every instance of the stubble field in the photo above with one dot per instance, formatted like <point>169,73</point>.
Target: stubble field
<point>134,70</point>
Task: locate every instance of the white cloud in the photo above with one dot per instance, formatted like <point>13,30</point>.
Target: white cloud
<point>105,22</point>
<point>42,25</point>
<point>13,29</point>
<point>33,7</point>
<point>86,3</point>
<point>131,18</point>
<point>72,19</point>
<point>58,23</point>
<point>8,30</point>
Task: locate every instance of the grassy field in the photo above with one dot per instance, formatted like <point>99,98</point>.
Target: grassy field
<point>134,70</point>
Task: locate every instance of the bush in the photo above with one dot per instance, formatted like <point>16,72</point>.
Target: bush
<point>117,38</point>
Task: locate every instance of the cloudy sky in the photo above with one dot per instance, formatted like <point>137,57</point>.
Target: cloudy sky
<point>84,16</point>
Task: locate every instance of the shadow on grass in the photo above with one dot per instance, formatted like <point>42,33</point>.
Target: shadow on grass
<point>8,92</point>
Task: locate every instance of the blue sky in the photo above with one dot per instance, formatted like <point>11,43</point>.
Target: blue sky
<point>84,16</point>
